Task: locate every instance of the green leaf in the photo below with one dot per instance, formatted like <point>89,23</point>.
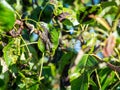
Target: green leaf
<point>4,79</point>
<point>41,45</point>
<point>107,4</point>
<point>87,62</point>
<point>7,16</point>
<point>108,80</point>
<point>21,85</point>
<point>92,82</point>
<point>1,82</point>
<point>53,69</point>
<point>83,15</point>
<point>54,39</point>
<point>46,72</point>
<point>1,67</point>
<point>11,51</point>
<point>106,76</point>
<point>65,60</point>
<point>67,22</point>
<point>80,83</point>
<point>34,87</point>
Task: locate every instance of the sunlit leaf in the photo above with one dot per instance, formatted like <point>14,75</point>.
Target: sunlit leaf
<point>54,39</point>
<point>7,16</point>
<point>41,45</point>
<point>101,20</point>
<point>106,76</point>
<point>87,61</point>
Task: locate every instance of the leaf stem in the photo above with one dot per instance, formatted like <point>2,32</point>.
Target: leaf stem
<point>28,44</point>
<point>40,72</point>
<point>98,79</point>
<point>25,44</point>
<point>117,75</point>
<point>18,14</point>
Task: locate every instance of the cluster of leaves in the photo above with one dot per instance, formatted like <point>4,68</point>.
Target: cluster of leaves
<point>59,44</point>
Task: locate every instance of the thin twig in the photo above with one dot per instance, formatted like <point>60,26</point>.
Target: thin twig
<point>111,66</point>
<point>98,80</point>
<point>40,73</point>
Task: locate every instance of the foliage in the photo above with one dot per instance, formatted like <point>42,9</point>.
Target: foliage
<point>59,44</point>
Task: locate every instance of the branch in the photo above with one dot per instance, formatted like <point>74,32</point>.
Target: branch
<point>111,66</point>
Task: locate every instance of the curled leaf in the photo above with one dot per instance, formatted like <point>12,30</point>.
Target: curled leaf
<point>109,46</point>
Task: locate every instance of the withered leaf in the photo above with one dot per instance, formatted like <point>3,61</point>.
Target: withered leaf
<point>109,46</point>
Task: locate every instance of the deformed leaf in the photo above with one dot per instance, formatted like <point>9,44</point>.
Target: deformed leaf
<point>11,52</point>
